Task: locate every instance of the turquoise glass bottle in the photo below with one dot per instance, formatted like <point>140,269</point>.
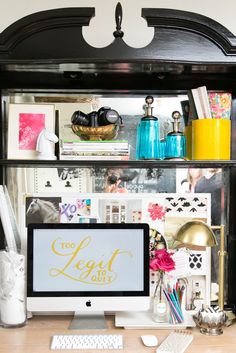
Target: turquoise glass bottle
<point>148,140</point>
<point>175,141</point>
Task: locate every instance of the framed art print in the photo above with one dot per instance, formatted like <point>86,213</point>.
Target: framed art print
<point>25,122</point>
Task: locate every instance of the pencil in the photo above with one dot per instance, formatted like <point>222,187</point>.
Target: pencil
<point>178,317</point>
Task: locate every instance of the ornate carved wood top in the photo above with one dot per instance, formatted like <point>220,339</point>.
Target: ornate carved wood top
<point>55,36</point>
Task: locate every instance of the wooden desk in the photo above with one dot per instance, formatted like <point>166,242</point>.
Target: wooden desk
<point>36,335</point>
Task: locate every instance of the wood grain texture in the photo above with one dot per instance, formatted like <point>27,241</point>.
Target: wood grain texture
<point>36,336</point>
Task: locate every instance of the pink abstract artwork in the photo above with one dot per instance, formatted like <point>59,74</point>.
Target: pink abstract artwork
<point>156,211</point>
<point>30,125</point>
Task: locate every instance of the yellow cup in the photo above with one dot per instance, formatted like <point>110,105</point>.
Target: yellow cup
<point>211,139</point>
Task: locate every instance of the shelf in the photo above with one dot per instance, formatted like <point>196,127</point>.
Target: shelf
<point>123,164</point>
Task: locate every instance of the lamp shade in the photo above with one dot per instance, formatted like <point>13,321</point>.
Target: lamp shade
<point>196,233</point>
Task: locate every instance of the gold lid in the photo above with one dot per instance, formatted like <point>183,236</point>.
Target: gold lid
<point>176,116</point>
<point>149,101</point>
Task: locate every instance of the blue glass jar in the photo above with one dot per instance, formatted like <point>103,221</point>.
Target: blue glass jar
<point>175,146</point>
<point>148,140</point>
<point>175,141</point>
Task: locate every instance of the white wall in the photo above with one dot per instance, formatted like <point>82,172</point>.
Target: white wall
<point>137,33</point>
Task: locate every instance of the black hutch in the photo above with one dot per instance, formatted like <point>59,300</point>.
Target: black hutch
<point>188,50</point>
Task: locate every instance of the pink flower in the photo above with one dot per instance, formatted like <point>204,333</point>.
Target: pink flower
<point>162,261</point>
<point>156,211</point>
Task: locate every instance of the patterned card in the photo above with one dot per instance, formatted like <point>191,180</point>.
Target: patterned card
<point>177,204</point>
<point>220,104</point>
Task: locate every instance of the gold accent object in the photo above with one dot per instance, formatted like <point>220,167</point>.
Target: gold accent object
<point>106,132</point>
<point>196,233</point>
<point>221,274</point>
<point>200,234</point>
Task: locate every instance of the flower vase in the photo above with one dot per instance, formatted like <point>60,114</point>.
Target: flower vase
<point>160,304</point>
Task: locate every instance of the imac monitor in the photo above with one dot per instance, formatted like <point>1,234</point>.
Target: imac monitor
<point>87,267</point>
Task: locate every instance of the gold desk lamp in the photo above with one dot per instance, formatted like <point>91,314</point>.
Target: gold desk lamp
<point>198,233</point>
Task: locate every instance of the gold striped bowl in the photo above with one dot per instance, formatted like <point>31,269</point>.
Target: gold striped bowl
<point>106,132</point>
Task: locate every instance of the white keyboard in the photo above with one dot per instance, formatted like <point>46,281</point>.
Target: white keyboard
<point>175,342</point>
<point>87,341</point>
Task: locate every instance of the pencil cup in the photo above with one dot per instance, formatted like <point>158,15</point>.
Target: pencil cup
<point>12,289</point>
<point>211,139</point>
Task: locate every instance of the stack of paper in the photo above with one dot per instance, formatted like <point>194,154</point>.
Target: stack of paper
<point>101,150</point>
<point>201,102</point>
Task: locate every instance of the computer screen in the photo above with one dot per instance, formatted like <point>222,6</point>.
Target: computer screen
<point>87,267</point>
